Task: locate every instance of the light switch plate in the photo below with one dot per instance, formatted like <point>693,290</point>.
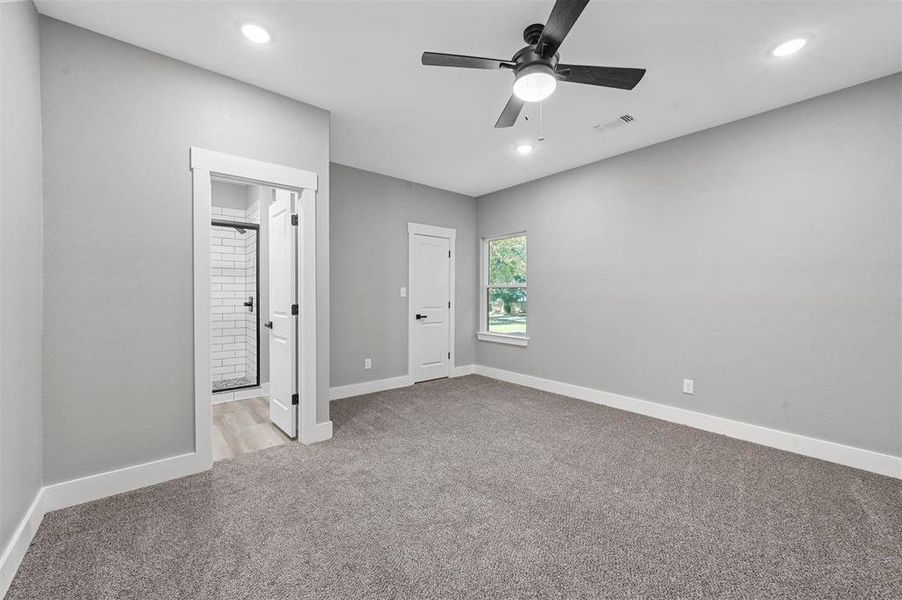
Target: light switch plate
<point>688,386</point>
<point>403,292</point>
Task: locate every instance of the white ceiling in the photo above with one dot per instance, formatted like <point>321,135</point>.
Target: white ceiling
<point>707,64</point>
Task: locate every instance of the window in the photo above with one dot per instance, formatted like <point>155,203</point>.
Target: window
<point>503,310</point>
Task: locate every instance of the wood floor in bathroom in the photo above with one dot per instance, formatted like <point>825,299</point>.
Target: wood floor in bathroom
<point>243,426</point>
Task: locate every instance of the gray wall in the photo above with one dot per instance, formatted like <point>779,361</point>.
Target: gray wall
<point>20,264</point>
<point>370,213</point>
<point>118,354</point>
<point>760,258</point>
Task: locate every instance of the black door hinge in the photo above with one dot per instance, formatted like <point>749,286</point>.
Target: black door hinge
<point>449,254</point>
<point>294,399</point>
<point>294,220</point>
<point>449,355</point>
<point>294,309</point>
<point>449,304</point>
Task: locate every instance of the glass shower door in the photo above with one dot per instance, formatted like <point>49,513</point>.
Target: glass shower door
<point>234,297</point>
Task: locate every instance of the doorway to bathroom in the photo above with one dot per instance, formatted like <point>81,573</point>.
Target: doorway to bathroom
<point>239,304</point>
<point>253,261</point>
<point>255,305</point>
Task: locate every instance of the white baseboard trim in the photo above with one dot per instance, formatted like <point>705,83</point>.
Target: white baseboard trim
<point>109,483</point>
<point>18,544</point>
<point>319,433</point>
<point>368,387</point>
<point>254,392</point>
<point>850,456</point>
<point>390,383</point>
<point>117,481</point>
<point>85,489</point>
<point>463,370</point>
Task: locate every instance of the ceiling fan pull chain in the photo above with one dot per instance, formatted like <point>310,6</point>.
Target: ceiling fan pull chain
<point>541,137</point>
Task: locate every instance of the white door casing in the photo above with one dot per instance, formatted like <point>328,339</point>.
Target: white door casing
<point>282,296</point>
<point>205,163</point>
<point>431,322</point>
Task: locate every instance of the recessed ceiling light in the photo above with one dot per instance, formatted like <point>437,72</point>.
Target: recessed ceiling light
<point>255,33</point>
<point>790,47</point>
<point>524,149</point>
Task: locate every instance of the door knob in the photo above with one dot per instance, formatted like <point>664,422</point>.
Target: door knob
<point>268,324</point>
<point>419,316</point>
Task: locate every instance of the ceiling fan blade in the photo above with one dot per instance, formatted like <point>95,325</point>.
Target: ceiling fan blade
<point>438,59</point>
<point>562,17</point>
<point>613,77</point>
<point>510,113</point>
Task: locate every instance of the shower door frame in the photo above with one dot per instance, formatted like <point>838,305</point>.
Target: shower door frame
<point>255,227</point>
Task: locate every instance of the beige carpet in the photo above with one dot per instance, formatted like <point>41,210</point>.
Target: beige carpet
<point>473,488</point>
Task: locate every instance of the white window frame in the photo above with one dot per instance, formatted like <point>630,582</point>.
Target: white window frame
<point>484,335</point>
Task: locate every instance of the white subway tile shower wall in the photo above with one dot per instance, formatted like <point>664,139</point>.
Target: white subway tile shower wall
<point>232,282</point>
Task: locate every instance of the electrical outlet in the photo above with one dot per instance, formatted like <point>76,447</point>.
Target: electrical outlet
<point>367,363</point>
<point>403,292</point>
<point>688,386</point>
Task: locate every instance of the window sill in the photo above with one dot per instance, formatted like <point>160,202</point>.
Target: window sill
<point>500,338</point>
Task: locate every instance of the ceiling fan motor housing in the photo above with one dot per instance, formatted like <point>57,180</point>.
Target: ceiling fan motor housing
<point>527,58</point>
<point>532,33</point>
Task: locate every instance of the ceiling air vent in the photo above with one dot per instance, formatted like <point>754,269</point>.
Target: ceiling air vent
<point>618,122</point>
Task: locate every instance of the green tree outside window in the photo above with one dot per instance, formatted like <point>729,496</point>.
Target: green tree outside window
<point>506,294</point>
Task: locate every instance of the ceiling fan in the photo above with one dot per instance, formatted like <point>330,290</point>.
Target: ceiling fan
<point>537,68</point>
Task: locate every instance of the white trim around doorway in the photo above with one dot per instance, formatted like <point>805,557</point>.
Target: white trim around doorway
<point>205,164</point>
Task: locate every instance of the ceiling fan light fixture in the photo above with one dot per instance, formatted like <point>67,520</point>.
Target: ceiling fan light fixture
<point>535,83</point>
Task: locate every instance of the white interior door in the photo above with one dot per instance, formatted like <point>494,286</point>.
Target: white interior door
<point>430,298</point>
<point>283,329</point>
